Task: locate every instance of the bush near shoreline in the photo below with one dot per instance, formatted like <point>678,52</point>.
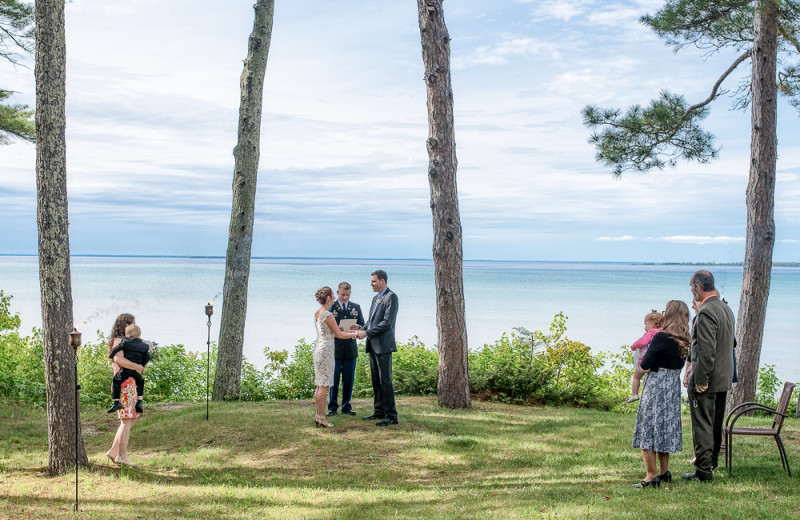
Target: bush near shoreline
<point>523,367</point>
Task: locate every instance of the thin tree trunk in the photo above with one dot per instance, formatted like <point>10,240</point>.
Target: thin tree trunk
<point>760,238</point>
<point>53,228</point>
<point>240,235</point>
<point>453,389</point>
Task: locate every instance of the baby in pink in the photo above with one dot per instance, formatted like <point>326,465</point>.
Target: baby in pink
<point>652,326</point>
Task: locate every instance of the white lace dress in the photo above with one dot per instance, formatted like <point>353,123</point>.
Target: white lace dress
<point>323,352</point>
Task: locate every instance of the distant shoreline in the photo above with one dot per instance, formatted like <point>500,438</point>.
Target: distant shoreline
<point>202,257</point>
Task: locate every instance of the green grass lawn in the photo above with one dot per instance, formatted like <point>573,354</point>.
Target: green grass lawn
<point>267,460</point>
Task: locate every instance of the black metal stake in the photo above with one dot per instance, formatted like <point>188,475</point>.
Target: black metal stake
<point>209,312</point>
<point>75,342</point>
<point>77,424</point>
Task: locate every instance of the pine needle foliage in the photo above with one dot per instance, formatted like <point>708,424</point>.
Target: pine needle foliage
<point>668,129</point>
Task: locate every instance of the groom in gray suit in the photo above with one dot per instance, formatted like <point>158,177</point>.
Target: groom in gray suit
<point>379,331</point>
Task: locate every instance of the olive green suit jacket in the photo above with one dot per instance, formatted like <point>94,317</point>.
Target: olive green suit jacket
<point>712,346</point>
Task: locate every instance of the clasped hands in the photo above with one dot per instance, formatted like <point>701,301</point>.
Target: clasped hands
<point>360,334</point>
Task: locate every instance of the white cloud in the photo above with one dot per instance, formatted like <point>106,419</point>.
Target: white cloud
<point>677,239</point>
<point>505,50</point>
<point>689,239</point>
<point>563,10</point>
<point>623,238</point>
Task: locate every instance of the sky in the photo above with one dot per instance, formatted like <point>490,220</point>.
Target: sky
<point>152,112</point>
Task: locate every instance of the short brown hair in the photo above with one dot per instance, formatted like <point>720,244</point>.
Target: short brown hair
<point>704,279</point>
<point>344,286</point>
<point>381,275</point>
<point>133,331</point>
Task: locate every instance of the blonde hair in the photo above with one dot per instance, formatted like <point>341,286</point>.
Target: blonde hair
<point>133,331</point>
<point>656,319</point>
<point>676,324</point>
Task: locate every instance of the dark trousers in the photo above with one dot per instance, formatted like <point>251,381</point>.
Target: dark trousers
<point>380,366</point>
<point>120,377</point>
<point>347,369</point>
<point>708,415</point>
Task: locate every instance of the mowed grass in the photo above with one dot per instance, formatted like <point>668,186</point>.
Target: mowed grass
<point>267,460</point>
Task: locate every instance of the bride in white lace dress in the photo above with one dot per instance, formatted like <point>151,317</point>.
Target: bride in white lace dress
<point>327,329</point>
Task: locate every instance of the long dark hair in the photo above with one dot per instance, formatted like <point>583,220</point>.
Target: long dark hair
<point>676,324</point>
<point>118,330</point>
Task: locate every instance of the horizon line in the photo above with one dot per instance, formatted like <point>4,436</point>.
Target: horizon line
<point>212,257</point>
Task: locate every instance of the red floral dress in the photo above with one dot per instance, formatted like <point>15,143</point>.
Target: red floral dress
<point>127,396</point>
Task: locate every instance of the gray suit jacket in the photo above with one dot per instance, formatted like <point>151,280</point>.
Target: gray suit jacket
<point>380,327</point>
<point>712,346</point>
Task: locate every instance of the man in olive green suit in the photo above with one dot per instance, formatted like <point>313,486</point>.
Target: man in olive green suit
<point>712,373</point>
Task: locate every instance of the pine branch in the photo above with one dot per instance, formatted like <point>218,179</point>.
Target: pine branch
<point>791,38</point>
<point>652,137</point>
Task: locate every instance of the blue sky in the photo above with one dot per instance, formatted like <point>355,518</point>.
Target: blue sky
<point>152,107</point>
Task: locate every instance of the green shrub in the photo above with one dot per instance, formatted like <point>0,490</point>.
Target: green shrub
<point>21,366</point>
<point>291,378</point>
<point>525,366</point>
<point>415,368</point>
<point>510,370</point>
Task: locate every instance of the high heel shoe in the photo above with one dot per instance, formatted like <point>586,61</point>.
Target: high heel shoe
<point>322,422</point>
<point>655,482</point>
<point>665,477</point>
<point>108,455</point>
<point>124,462</point>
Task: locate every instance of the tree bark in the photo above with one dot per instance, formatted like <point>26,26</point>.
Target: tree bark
<point>53,229</point>
<point>240,235</point>
<point>760,238</point>
<point>453,390</point>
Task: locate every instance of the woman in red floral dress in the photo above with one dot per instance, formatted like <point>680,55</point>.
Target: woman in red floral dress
<point>127,416</point>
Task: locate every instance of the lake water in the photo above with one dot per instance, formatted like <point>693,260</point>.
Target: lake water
<point>605,302</point>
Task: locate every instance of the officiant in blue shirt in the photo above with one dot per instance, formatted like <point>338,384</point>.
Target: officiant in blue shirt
<point>345,352</point>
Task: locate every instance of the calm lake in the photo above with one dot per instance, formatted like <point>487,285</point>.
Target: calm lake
<point>605,302</point>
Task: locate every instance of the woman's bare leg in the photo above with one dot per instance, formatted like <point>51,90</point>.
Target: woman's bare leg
<point>649,457</point>
<point>114,451</point>
<point>321,402</point>
<point>125,435</point>
<point>663,462</point>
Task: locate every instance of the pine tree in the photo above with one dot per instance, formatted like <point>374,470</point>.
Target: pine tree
<point>766,33</point>
<point>453,388</point>
<point>16,37</point>
<point>240,235</point>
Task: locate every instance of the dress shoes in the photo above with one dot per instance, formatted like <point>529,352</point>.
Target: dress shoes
<point>372,417</point>
<point>330,412</point>
<point>695,476</point>
<point>349,412</point>
<point>665,477</point>
<point>386,422</point>
<point>653,482</point>
<point>116,406</point>
<point>139,408</point>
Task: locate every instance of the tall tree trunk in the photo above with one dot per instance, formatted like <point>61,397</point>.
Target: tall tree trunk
<point>760,238</point>
<point>240,235</point>
<point>453,390</point>
<point>53,227</point>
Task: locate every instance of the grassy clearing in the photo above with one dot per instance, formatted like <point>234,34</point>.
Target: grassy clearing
<point>267,460</point>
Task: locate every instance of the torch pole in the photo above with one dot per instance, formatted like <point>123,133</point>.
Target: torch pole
<point>209,312</point>
<point>77,424</point>
<point>75,342</point>
<point>208,362</point>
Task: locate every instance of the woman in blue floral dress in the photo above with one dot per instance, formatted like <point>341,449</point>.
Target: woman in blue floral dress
<point>658,421</point>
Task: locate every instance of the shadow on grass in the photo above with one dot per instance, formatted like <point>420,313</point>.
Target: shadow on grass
<point>266,460</point>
